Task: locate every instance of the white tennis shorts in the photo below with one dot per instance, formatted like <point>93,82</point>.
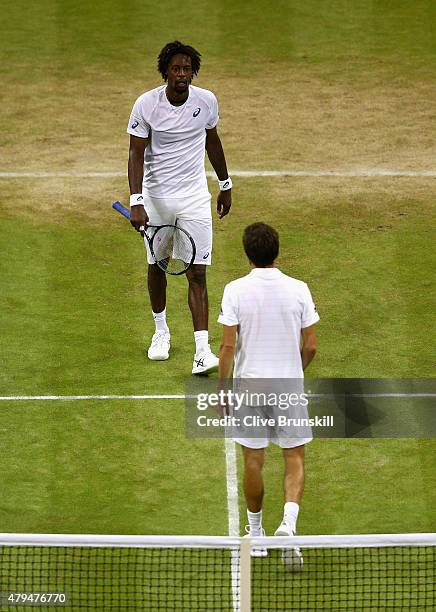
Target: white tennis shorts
<point>192,213</point>
<point>253,430</point>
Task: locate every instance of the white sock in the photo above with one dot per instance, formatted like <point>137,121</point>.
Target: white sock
<point>291,514</point>
<point>160,320</point>
<point>201,341</point>
<point>255,520</point>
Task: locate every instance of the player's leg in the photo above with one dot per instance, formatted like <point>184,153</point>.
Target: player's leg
<point>292,439</point>
<point>159,212</point>
<point>204,360</point>
<point>254,459</point>
<point>293,491</point>
<point>157,288</point>
<point>253,490</point>
<point>197,297</point>
<point>253,439</point>
<point>157,284</point>
<point>201,231</point>
<point>293,488</point>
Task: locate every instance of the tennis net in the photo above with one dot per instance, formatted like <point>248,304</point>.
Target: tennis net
<point>195,573</point>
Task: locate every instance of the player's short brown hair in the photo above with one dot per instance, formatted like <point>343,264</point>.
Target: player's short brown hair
<point>261,244</point>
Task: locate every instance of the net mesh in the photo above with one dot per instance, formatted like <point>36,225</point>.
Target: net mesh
<point>203,578</point>
<point>172,248</point>
<point>398,578</point>
<point>122,578</point>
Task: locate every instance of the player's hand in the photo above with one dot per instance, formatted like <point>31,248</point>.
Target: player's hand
<point>138,217</point>
<point>224,203</point>
<point>225,387</point>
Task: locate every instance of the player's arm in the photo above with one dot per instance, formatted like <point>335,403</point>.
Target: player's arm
<point>227,354</point>
<point>227,351</point>
<point>215,153</point>
<point>309,345</point>
<point>138,216</point>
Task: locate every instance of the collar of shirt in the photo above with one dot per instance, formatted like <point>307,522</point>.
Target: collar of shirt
<point>177,108</point>
<point>265,273</point>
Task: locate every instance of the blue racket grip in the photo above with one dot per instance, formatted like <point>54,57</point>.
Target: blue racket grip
<point>121,209</point>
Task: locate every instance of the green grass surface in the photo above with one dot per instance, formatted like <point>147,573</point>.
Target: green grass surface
<point>106,467</point>
<point>315,86</point>
<point>77,322</point>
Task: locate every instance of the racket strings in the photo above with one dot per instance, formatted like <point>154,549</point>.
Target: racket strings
<point>172,249</point>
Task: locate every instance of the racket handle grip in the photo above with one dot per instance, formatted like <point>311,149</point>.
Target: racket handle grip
<point>121,209</point>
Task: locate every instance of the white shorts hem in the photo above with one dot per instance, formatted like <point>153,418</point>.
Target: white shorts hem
<point>259,443</point>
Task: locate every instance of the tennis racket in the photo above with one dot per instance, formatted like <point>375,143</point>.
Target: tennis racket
<point>171,247</point>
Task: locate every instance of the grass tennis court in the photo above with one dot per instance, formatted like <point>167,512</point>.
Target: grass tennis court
<point>310,88</point>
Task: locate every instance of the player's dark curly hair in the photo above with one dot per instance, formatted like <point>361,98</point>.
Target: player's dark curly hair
<point>261,244</point>
<point>172,48</point>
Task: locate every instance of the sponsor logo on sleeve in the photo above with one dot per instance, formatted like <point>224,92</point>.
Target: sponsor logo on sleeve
<point>196,112</point>
<point>134,125</point>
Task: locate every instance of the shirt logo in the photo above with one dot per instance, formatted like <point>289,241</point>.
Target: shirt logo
<point>206,256</point>
<point>134,125</point>
<point>196,112</point>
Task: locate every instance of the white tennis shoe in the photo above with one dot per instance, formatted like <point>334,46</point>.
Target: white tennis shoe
<point>291,557</point>
<point>205,362</point>
<point>159,349</point>
<point>284,530</point>
<point>253,533</point>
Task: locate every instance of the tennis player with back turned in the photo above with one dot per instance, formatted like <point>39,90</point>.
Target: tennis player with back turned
<point>266,315</point>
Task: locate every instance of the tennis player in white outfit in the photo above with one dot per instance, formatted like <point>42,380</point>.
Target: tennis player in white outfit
<point>269,333</point>
<point>170,129</point>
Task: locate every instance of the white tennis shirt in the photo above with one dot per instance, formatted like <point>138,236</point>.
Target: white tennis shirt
<point>174,158</point>
<point>270,309</point>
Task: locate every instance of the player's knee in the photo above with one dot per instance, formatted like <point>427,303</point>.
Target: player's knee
<point>254,460</point>
<point>197,275</point>
<point>294,457</point>
<point>155,271</point>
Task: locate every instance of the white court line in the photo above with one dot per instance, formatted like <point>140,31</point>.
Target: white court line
<point>24,398</point>
<point>233,516</point>
<point>370,395</point>
<point>232,486</point>
<point>7,175</point>
<point>370,172</point>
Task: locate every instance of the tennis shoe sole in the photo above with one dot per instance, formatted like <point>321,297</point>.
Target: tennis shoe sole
<point>256,552</point>
<point>291,557</point>
<point>205,364</point>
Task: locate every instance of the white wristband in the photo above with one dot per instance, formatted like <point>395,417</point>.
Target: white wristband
<point>136,199</point>
<point>226,184</point>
